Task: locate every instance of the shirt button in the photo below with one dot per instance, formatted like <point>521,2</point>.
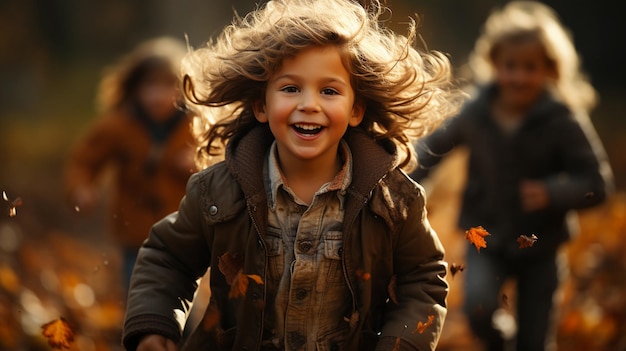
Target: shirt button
<point>301,294</point>
<point>295,340</point>
<point>305,246</point>
<point>213,210</point>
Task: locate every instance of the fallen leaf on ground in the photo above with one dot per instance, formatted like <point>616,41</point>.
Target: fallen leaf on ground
<point>59,333</point>
<point>525,241</point>
<point>477,236</point>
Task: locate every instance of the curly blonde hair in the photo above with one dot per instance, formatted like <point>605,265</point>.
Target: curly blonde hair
<point>406,93</point>
<point>121,80</point>
<point>530,20</point>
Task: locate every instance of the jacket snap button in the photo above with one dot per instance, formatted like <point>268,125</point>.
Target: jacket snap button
<point>301,294</point>
<point>305,246</point>
<point>213,210</point>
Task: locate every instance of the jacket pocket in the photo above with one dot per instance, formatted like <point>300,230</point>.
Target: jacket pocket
<point>333,248</point>
<point>274,245</point>
<point>333,245</point>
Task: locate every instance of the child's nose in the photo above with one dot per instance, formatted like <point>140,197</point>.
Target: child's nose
<point>309,102</point>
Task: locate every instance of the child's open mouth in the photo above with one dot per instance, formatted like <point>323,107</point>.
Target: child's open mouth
<point>307,129</point>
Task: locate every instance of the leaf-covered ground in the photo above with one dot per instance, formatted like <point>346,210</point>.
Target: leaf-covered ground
<point>46,274</point>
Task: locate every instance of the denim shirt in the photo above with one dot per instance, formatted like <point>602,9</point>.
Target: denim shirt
<point>305,270</point>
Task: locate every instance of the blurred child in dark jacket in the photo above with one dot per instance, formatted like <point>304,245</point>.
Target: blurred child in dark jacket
<point>534,155</point>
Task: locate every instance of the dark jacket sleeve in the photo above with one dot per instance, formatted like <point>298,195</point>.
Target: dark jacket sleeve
<point>586,176</point>
<point>170,261</point>
<point>420,285</point>
<point>433,148</point>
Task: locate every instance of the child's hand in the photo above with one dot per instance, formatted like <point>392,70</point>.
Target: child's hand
<point>156,342</point>
<point>534,195</point>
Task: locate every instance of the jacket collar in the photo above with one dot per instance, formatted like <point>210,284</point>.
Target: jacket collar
<point>245,157</point>
<point>543,107</point>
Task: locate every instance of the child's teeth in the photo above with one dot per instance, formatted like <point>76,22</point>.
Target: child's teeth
<point>307,127</point>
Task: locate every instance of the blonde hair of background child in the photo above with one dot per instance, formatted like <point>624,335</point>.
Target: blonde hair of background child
<point>538,21</point>
<point>114,89</point>
<point>406,93</point>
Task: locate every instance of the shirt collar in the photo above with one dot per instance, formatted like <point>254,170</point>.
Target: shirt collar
<point>274,178</point>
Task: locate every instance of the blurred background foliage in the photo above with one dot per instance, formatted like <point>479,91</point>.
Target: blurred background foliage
<point>55,261</point>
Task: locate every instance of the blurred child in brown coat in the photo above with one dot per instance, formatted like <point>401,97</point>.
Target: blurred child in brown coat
<point>144,136</point>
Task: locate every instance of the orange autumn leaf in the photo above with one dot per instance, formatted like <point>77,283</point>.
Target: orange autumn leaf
<point>525,241</point>
<point>239,286</point>
<point>59,333</point>
<point>477,236</point>
<point>422,326</point>
<point>256,278</point>
<point>211,317</point>
<point>396,346</point>
<point>230,266</point>
<point>365,276</point>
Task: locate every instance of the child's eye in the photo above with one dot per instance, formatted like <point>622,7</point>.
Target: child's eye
<point>329,91</point>
<point>289,89</point>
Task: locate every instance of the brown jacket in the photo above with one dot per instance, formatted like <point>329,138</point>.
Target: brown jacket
<point>148,180</point>
<point>386,234</point>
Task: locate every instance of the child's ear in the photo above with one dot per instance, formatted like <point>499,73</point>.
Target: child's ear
<point>258,107</point>
<point>358,111</point>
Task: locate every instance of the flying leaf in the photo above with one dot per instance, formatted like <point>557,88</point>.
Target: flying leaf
<point>256,278</point>
<point>396,346</point>
<point>239,285</point>
<point>525,241</point>
<point>13,204</point>
<point>477,236</point>
<point>365,276</point>
<point>422,326</point>
<point>230,266</point>
<point>391,289</point>
<point>211,317</point>
<point>455,268</point>
<point>59,334</point>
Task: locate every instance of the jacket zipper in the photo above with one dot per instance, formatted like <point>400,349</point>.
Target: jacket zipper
<point>345,267</point>
<point>251,209</point>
